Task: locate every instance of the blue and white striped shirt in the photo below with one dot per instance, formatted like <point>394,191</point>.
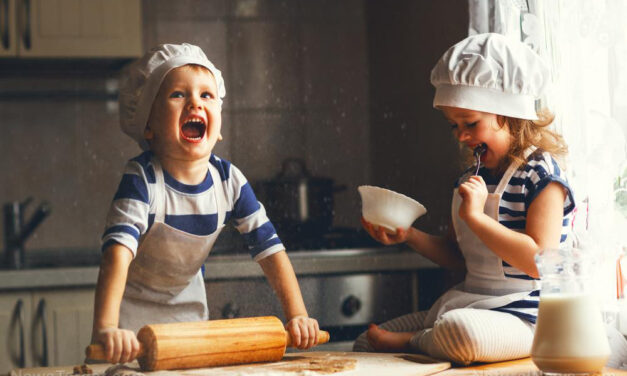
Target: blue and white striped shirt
<point>189,208</point>
<point>524,186</point>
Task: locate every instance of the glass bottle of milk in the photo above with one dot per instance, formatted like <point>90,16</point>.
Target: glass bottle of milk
<point>570,334</point>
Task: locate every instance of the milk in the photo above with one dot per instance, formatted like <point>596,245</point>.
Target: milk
<point>570,335</point>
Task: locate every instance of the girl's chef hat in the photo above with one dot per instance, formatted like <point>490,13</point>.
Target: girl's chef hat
<point>141,81</point>
<point>490,73</point>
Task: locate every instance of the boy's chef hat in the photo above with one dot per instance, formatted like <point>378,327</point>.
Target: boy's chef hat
<point>142,79</point>
<point>490,73</point>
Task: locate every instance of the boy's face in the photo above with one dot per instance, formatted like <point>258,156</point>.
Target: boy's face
<point>185,118</point>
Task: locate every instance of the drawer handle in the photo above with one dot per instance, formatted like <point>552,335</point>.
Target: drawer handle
<point>18,317</point>
<point>25,26</point>
<point>41,317</point>
<point>5,24</point>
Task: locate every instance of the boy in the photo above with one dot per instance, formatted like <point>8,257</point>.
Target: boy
<point>172,203</point>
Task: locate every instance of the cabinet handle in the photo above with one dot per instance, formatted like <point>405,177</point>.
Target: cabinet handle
<point>41,316</point>
<point>25,26</point>
<point>18,315</point>
<point>5,24</point>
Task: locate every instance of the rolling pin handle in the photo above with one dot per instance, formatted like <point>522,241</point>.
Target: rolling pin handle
<point>97,352</point>
<point>323,337</point>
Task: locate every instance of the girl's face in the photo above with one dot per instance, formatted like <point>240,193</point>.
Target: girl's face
<point>473,128</point>
<point>185,118</point>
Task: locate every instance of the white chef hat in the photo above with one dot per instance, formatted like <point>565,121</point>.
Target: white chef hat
<point>141,81</point>
<point>490,73</point>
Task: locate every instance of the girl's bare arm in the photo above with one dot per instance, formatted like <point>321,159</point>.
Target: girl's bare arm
<point>442,250</point>
<point>543,229</point>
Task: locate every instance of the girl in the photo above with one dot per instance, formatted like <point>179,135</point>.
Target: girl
<point>518,203</point>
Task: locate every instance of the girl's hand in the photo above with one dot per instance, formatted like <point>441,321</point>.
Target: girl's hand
<point>304,331</point>
<point>474,193</point>
<point>121,346</point>
<point>382,235</point>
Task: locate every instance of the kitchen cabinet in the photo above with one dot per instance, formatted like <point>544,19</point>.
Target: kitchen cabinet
<point>70,28</point>
<point>65,324</point>
<point>45,328</point>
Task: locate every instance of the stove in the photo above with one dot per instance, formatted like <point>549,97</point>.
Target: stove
<point>299,239</point>
<point>344,303</point>
<point>334,238</point>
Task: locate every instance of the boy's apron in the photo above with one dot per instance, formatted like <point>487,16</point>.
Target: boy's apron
<point>485,285</point>
<point>165,281</point>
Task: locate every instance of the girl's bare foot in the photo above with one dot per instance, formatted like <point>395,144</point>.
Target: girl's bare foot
<point>386,341</point>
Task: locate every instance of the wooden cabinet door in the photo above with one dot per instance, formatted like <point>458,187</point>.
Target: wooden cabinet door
<point>80,28</point>
<point>15,314</point>
<point>63,321</point>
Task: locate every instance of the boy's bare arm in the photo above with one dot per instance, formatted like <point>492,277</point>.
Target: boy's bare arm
<point>278,269</point>
<point>280,273</point>
<point>110,288</point>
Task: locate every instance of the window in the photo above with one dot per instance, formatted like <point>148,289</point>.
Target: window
<point>585,44</point>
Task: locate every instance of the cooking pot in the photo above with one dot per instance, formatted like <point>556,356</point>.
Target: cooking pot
<point>297,202</point>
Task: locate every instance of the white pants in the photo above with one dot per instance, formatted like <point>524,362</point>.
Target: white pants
<point>463,335</point>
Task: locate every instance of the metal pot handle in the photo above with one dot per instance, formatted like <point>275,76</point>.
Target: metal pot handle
<point>293,168</point>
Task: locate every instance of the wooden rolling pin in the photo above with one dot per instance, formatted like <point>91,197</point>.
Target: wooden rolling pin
<point>209,343</point>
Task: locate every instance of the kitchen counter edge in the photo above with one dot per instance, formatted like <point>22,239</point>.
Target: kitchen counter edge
<point>240,266</point>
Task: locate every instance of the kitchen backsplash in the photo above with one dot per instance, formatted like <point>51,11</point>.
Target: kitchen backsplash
<point>342,84</point>
<point>297,86</point>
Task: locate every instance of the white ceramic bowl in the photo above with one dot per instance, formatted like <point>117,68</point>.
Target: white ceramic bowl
<point>387,208</point>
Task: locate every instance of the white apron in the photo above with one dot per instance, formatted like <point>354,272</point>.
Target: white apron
<point>485,285</point>
<point>165,281</point>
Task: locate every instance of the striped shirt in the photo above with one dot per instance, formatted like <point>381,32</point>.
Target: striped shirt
<point>524,186</point>
<point>189,208</point>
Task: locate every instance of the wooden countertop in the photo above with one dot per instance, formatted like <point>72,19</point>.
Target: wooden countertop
<point>325,363</point>
<point>519,367</point>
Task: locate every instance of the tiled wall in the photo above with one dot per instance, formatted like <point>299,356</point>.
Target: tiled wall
<point>416,153</point>
<point>297,86</point>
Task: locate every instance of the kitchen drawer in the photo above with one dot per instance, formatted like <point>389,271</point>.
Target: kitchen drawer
<point>45,328</point>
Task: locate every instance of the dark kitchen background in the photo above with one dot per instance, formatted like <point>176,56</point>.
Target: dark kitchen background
<point>342,85</point>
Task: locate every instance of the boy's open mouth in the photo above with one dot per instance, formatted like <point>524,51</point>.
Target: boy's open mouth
<point>193,129</point>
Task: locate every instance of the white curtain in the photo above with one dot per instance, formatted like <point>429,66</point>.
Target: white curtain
<point>585,43</point>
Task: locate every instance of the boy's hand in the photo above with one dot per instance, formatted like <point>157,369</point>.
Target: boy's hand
<point>304,331</point>
<point>121,346</point>
<point>382,235</point>
<point>474,194</point>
